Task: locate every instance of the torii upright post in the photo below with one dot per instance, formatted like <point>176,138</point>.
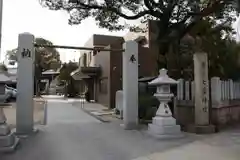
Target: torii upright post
<point>130,85</point>
<point>25,84</point>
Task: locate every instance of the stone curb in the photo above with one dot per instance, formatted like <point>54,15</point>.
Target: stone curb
<point>95,116</point>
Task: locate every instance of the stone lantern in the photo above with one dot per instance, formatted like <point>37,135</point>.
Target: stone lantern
<point>163,124</point>
<point>8,141</point>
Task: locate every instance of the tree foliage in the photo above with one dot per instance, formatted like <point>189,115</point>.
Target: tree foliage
<point>3,68</point>
<point>222,49</point>
<point>66,70</point>
<point>12,54</point>
<point>65,75</point>
<point>175,18</point>
<point>45,58</point>
<point>172,12</point>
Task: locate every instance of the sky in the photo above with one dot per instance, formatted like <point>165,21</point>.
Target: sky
<point>29,16</point>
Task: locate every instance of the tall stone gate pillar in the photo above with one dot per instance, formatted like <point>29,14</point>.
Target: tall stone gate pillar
<point>25,84</point>
<point>130,85</point>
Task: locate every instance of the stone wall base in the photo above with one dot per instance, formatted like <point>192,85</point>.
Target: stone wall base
<point>222,116</point>
<point>201,129</point>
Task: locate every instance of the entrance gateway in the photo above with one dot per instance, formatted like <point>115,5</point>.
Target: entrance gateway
<point>25,82</point>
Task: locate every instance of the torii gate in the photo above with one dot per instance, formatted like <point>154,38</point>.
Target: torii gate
<point>25,83</point>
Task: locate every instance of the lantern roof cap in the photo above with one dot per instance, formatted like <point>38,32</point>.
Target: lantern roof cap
<point>163,78</point>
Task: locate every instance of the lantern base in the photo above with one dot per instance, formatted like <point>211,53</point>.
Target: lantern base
<point>4,129</point>
<point>8,141</point>
<point>10,148</point>
<point>164,128</point>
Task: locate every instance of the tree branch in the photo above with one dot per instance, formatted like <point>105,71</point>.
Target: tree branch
<point>160,4</point>
<point>212,6</point>
<point>117,11</point>
<point>204,13</point>
<point>149,5</point>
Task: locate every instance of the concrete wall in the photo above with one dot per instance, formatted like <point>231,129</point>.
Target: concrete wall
<point>223,116</point>
<point>224,102</point>
<point>105,40</point>
<point>111,62</point>
<point>151,37</point>
<point>227,114</point>
<point>102,59</point>
<point>146,68</point>
<point>97,40</point>
<point>115,72</point>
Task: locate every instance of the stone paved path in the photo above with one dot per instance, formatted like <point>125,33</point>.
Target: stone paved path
<point>72,134</point>
<point>223,146</point>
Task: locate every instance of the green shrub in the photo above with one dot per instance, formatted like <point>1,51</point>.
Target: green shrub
<point>147,106</point>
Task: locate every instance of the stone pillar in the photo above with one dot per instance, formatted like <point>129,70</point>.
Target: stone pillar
<point>130,85</point>
<point>180,89</point>
<point>225,90</point>
<point>192,90</point>
<point>201,95</point>
<point>222,91</point>
<point>231,89</point>
<point>216,90</point>
<point>25,84</point>
<point>119,102</point>
<point>187,90</point>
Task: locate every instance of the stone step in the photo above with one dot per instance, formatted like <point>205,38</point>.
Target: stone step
<point>164,121</point>
<point>7,140</point>
<point>167,136</point>
<point>156,129</point>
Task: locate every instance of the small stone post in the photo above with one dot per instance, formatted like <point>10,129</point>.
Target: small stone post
<point>163,124</point>
<point>25,84</point>
<point>192,90</point>
<point>231,89</point>
<point>180,89</point>
<point>119,102</point>
<point>216,90</point>
<point>130,85</point>
<point>222,90</point>
<point>187,90</point>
